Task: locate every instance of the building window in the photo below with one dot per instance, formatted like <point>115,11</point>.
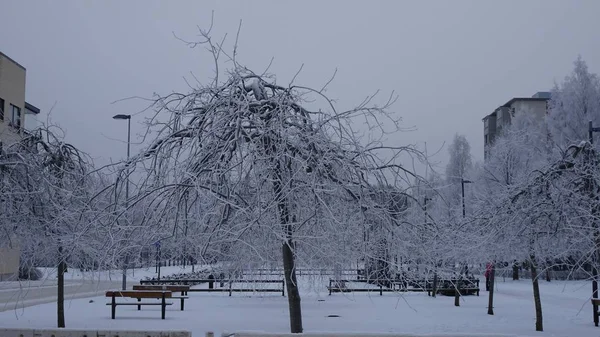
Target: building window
<point>1,109</point>
<point>15,119</point>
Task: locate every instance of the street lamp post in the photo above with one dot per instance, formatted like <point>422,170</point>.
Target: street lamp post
<point>464,213</point>
<point>462,185</point>
<point>128,118</point>
<point>591,130</point>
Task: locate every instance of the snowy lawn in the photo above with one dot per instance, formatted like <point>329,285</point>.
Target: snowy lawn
<point>567,312</point>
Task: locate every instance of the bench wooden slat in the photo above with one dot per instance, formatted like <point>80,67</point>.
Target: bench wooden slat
<point>243,290</point>
<point>162,287</point>
<point>139,293</point>
<point>140,303</point>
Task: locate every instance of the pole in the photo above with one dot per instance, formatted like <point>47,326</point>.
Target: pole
<point>594,260</point>
<point>425,205</point>
<point>459,278</point>
<point>124,283</point>
<point>462,185</point>
<point>128,152</point>
<point>159,262</point>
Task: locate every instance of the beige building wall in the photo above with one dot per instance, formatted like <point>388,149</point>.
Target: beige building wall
<point>12,91</point>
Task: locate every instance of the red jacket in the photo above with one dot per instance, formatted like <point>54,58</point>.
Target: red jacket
<point>488,270</point>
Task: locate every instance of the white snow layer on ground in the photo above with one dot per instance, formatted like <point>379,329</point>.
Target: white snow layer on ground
<point>566,305</point>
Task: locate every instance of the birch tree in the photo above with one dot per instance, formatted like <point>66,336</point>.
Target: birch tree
<point>460,162</point>
<point>574,102</point>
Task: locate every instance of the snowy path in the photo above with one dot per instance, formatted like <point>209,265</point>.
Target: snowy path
<point>28,295</point>
<point>17,295</point>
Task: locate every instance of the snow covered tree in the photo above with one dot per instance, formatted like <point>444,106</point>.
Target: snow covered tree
<point>514,228</point>
<point>278,176</point>
<point>460,161</point>
<point>46,192</point>
<point>574,103</point>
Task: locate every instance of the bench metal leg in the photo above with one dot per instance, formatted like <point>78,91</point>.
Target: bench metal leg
<point>113,307</point>
<point>163,306</point>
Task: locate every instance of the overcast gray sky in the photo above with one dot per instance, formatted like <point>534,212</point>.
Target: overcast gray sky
<point>451,62</point>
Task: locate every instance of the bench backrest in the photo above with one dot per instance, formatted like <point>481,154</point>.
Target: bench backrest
<point>139,293</point>
<point>158,287</point>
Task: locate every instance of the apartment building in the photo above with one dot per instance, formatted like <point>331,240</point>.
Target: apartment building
<point>13,107</point>
<point>494,123</point>
<point>13,111</point>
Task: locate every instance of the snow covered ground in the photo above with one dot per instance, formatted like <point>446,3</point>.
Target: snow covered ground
<point>567,312</point>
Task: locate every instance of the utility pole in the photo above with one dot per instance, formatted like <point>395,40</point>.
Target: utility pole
<point>462,185</point>
<point>464,214</point>
<point>591,130</point>
<point>128,118</point>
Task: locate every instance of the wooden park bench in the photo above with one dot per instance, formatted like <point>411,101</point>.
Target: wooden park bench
<point>227,285</point>
<point>190,282</point>
<point>339,286</point>
<point>595,304</point>
<point>448,287</point>
<point>139,294</point>
<point>177,288</point>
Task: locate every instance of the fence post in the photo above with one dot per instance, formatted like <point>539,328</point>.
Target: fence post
<point>380,290</point>
<point>230,283</point>
<point>283,288</point>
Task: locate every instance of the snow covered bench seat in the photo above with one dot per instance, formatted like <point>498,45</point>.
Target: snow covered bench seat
<point>176,288</point>
<point>139,294</point>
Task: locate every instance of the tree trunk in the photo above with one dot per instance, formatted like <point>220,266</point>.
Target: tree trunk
<point>289,269</point>
<point>491,293</point>
<point>435,281</point>
<point>60,300</point>
<point>457,292</point>
<point>292,288</point>
<point>515,272</point>
<point>548,278</point>
<point>457,287</point>
<point>536,296</point>
<point>124,275</point>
